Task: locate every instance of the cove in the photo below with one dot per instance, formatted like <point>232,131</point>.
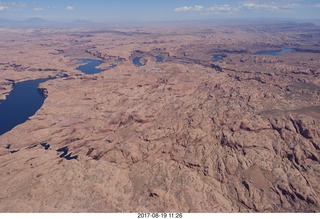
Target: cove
<point>137,62</point>
<point>159,59</point>
<point>217,58</point>
<point>275,53</point>
<point>90,66</point>
<point>23,101</point>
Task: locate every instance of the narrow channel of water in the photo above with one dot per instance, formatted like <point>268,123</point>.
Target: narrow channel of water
<point>159,59</point>
<point>276,53</point>
<point>23,102</point>
<point>26,99</point>
<point>137,62</point>
<point>89,66</point>
<point>217,58</point>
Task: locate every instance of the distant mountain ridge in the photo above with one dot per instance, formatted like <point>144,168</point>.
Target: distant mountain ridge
<point>36,20</point>
<point>40,22</point>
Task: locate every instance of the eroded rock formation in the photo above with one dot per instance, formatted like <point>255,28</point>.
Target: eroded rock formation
<point>174,136</point>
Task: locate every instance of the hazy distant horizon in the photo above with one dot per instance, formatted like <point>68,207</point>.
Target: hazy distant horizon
<point>158,11</point>
<point>36,22</point>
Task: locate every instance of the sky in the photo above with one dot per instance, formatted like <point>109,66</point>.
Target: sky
<point>157,10</point>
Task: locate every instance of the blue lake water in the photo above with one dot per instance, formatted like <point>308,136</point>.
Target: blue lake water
<point>276,53</point>
<point>217,58</point>
<point>137,62</point>
<point>90,66</point>
<point>159,59</point>
<point>112,66</point>
<point>23,101</point>
<point>26,99</point>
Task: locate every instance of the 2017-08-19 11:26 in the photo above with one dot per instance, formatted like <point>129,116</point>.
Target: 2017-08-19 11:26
<point>160,215</point>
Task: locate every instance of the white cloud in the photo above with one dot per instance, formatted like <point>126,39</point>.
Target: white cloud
<point>38,9</point>
<point>70,8</point>
<point>11,5</point>
<point>262,5</point>
<point>226,8</point>
<point>255,6</point>
<point>247,5</point>
<point>3,7</point>
<point>317,5</point>
<point>221,8</point>
<point>18,5</point>
<point>290,6</point>
<point>189,8</point>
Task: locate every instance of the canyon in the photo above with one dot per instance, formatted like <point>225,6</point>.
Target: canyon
<point>189,118</point>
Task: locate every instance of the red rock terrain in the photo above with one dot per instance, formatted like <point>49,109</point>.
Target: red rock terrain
<point>184,135</point>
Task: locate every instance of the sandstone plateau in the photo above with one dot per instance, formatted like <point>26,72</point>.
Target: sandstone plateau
<point>184,135</point>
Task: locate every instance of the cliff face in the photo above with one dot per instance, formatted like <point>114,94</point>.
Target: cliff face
<point>174,136</point>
